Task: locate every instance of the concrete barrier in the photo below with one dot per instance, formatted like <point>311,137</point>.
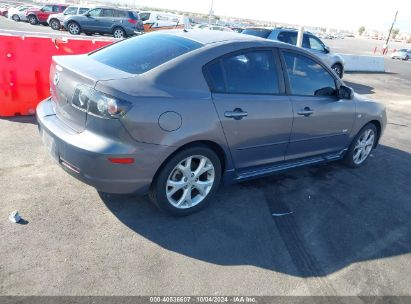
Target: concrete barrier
<point>360,63</point>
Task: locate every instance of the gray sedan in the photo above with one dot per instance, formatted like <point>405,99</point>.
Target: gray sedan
<point>175,113</point>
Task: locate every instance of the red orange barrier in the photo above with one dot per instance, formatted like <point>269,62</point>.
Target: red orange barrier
<point>24,69</point>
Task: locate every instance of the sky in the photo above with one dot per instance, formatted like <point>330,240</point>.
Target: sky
<point>343,14</point>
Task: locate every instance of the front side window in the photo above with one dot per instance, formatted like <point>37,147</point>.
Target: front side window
<point>47,8</point>
<point>95,12</point>
<point>252,72</point>
<point>315,44</point>
<point>131,55</point>
<point>288,37</point>
<point>70,11</point>
<point>307,77</point>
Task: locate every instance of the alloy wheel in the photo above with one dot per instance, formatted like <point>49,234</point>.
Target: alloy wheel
<point>74,29</point>
<point>118,33</point>
<point>363,146</point>
<point>15,18</point>
<point>190,182</point>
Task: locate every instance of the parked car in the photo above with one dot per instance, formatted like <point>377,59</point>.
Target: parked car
<point>36,16</point>
<point>19,13</point>
<point>105,20</point>
<point>4,10</point>
<point>197,109</point>
<point>56,21</point>
<point>403,54</point>
<point>310,42</point>
<point>153,20</point>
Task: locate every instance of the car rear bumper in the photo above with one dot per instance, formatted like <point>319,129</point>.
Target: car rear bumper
<point>86,155</point>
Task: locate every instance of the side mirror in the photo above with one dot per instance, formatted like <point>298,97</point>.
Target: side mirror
<point>87,14</point>
<point>326,49</point>
<point>345,92</point>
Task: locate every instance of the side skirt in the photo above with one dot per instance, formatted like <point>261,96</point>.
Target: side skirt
<point>231,177</point>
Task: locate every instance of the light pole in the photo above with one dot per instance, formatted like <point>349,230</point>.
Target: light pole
<point>211,13</point>
<point>389,33</point>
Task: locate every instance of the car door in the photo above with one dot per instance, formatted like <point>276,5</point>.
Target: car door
<point>91,21</point>
<point>249,95</point>
<point>322,121</point>
<point>44,13</point>
<point>107,20</point>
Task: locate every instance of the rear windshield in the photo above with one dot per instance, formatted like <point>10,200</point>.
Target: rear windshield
<point>143,53</point>
<point>263,33</point>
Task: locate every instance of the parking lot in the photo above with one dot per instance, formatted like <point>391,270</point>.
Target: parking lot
<point>344,232</point>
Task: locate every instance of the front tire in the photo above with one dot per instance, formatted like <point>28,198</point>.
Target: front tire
<point>73,28</point>
<point>55,24</point>
<point>187,181</point>
<point>338,69</point>
<point>15,17</point>
<point>33,20</point>
<point>361,146</point>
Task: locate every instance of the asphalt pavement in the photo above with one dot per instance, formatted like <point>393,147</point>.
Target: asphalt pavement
<point>346,231</point>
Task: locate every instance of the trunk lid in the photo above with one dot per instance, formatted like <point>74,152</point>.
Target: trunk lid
<point>66,73</point>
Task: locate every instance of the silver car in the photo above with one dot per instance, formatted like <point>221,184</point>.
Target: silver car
<point>403,54</point>
<point>310,42</point>
<point>200,108</point>
<point>56,20</point>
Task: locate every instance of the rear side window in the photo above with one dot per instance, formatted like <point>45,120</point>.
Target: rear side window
<point>71,10</point>
<point>288,37</point>
<point>307,77</point>
<point>107,13</point>
<point>82,10</point>
<point>131,55</point>
<point>120,14</point>
<point>252,72</point>
<point>263,33</point>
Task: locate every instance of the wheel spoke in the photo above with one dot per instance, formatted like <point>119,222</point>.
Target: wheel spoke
<point>203,167</point>
<point>202,186</point>
<point>185,198</point>
<point>176,185</point>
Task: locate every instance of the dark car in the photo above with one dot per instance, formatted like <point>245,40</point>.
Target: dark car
<point>36,16</point>
<point>310,42</point>
<point>175,112</point>
<point>105,20</point>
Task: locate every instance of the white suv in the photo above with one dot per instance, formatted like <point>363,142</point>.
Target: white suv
<point>56,21</point>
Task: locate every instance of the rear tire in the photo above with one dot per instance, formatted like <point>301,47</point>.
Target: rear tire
<point>74,28</point>
<point>187,181</point>
<point>361,146</point>
<point>15,17</point>
<point>119,33</point>
<point>55,24</point>
<point>33,20</point>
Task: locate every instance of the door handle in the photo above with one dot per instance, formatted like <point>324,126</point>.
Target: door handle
<point>305,112</point>
<point>236,114</point>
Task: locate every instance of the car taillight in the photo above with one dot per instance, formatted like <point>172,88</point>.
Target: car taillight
<point>133,21</point>
<point>99,104</point>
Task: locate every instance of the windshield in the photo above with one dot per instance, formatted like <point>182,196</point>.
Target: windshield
<point>132,55</point>
<point>263,33</point>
